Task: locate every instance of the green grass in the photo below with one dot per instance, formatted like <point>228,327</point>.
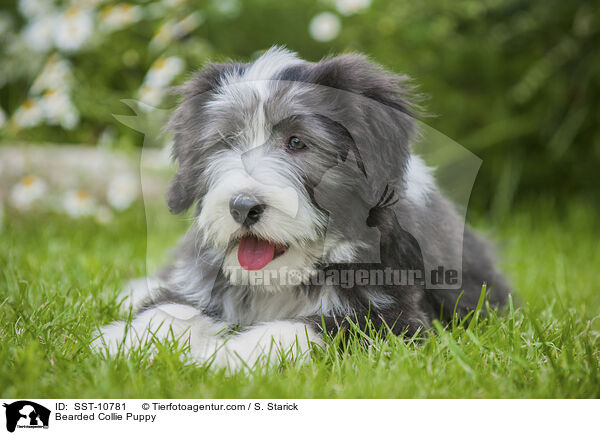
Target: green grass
<point>59,278</point>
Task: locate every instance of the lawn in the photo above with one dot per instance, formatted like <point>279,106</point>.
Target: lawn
<point>59,279</point>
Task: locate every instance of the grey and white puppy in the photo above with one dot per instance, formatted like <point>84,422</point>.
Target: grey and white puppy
<point>300,169</point>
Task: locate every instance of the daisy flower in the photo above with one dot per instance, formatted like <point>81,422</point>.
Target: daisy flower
<point>163,35</point>
<point>228,8</point>
<point>59,110</point>
<point>122,191</point>
<point>38,33</point>
<point>188,24</point>
<point>34,8</point>
<point>29,114</point>
<point>163,71</point>
<point>115,17</point>
<point>78,203</point>
<point>27,191</point>
<point>56,74</point>
<point>159,76</point>
<point>150,95</point>
<point>324,27</point>
<point>73,28</point>
<point>349,7</point>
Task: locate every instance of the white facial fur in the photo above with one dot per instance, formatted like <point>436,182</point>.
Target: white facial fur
<point>289,218</point>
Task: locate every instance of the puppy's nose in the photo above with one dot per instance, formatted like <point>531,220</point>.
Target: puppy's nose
<point>245,209</point>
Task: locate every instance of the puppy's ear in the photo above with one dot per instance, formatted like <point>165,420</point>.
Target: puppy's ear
<point>351,147</point>
<point>378,109</point>
<point>355,73</point>
<point>188,124</point>
<point>179,195</point>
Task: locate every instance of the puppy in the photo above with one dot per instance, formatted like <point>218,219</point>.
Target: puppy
<point>311,214</point>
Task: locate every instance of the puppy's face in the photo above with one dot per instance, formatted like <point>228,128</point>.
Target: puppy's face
<point>269,151</point>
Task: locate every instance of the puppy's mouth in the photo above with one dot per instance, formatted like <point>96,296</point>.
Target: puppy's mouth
<point>255,253</point>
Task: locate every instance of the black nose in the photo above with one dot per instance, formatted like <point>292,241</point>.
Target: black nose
<point>245,209</point>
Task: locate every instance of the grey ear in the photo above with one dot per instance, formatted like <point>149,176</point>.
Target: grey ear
<point>179,195</point>
<point>352,147</point>
<point>187,126</point>
<point>355,73</point>
<point>359,160</point>
<point>383,136</point>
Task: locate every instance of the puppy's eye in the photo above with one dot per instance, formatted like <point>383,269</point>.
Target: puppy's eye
<point>295,144</point>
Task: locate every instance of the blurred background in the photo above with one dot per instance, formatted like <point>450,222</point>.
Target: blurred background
<point>515,82</point>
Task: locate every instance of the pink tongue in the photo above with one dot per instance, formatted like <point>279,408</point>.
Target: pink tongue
<point>254,253</point>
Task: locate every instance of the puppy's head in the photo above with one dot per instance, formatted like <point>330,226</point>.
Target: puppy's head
<point>271,151</point>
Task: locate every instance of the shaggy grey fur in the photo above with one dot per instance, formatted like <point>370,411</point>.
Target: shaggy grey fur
<point>365,203</point>
<point>373,109</point>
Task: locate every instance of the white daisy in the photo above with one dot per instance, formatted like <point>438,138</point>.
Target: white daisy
<point>56,74</point>
<point>188,24</point>
<point>29,114</point>
<point>34,8</point>
<point>122,191</point>
<point>324,27</point>
<point>73,28</point>
<point>59,110</point>
<point>163,71</point>
<point>349,7</point>
<point>229,8</point>
<point>78,203</point>
<point>27,191</point>
<point>114,17</point>
<point>164,35</point>
<point>151,95</point>
<point>38,33</point>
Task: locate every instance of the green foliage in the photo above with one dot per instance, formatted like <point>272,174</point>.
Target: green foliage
<point>517,83</point>
<point>58,280</point>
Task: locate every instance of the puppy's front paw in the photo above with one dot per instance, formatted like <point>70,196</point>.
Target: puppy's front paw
<point>114,338</point>
<point>266,344</point>
<point>161,323</point>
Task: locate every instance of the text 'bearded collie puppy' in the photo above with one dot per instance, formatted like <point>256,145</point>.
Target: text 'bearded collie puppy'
<point>312,215</point>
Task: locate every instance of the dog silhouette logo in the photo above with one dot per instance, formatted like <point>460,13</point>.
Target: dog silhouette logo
<point>26,414</point>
